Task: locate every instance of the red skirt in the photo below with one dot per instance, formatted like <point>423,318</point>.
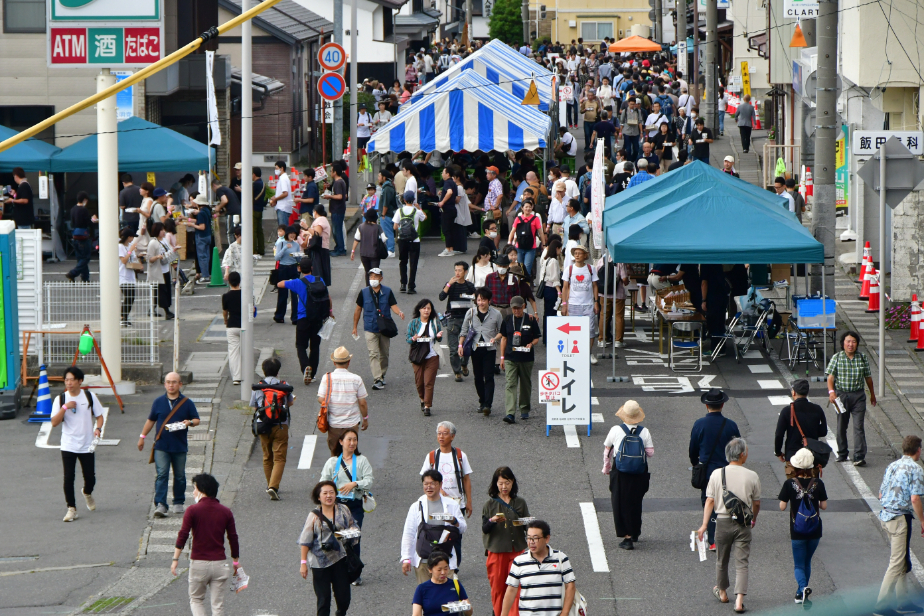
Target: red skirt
<point>498,565</point>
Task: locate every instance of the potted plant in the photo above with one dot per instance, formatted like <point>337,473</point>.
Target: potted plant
<point>771,136</point>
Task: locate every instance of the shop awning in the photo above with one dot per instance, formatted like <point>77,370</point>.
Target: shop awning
<point>698,214</point>
<point>143,146</point>
<point>635,44</point>
<point>31,154</point>
<point>468,113</point>
<point>501,65</point>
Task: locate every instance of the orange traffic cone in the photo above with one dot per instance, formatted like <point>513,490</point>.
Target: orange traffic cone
<point>915,319</point>
<point>867,281</point>
<point>920,347</point>
<point>757,115</point>
<point>874,293</point>
<point>809,183</point>
<point>864,263</point>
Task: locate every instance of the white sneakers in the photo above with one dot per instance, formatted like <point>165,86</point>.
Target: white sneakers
<point>71,514</point>
<point>178,509</point>
<point>446,253</point>
<point>619,344</point>
<point>391,255</point>
<point>91,502</point>
<point>593,360</point>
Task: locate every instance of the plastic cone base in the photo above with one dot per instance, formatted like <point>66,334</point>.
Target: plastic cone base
<point>217,277</point>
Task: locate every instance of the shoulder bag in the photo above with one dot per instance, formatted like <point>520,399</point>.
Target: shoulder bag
<point>579,604</point>
<point>419,350</point>
<point>162,426</point>
<point>699,478</point>
<point>322,422</point>
<point>735,506</point>
<point>820,449</point>
<point>468,345</point>
<point>354,565</point>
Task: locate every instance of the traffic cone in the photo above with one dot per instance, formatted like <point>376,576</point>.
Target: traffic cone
<point>920,347</point>
<point>874,293</point>
<point>809,182</point>
<point>757,115</point>
<point>864,262</point>
<point>217,278</point>
<point>915,319</point>
<point>43,402</point>
<point>867,282</point>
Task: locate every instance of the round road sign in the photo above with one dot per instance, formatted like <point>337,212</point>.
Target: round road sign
<point>331,86</point>
<point>549,381</point>
<point>331,57</point>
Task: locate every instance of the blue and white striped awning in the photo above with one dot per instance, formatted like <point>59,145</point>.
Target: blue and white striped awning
<point>502,65</point>
<point>468,113</point>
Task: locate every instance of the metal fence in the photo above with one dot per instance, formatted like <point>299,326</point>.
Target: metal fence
<point>68,306</point>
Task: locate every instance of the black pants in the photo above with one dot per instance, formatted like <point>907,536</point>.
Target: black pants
<point>128,300</point>
<point>745,132</point>
<point>626,494</point>
<point>87,465</point>
<point>286,272</point>
<point>334,576</point>
<point>408,251</point>
<point>82,250</point>
<point>368,264</point>
<point>448,225</point>
<point>164,295</point>
<point>308,344</point>
<point>483,370</point>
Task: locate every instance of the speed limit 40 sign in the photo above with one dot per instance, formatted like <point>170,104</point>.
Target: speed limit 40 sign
<point>331,57</point>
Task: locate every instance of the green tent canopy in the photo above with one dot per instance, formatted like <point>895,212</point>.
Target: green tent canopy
<point>699,214</point>
<point>31,154</point>
<point>143,146</point>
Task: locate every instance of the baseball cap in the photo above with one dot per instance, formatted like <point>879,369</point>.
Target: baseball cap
<point>238,166</point>
<point>493,170</point>
<point>409,196</point>
<point>730,158</point>
<point>159,192</point>
<point>517,302</point>
<point>376,270</point>
<point>370,186</point>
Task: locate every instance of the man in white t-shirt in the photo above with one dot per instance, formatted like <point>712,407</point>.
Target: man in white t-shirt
<point>571,187</point>
<point>363,127</point>
<point>82,417</point>
<point>579,293</point>
<point>408,215</point>
<point>453,464</point>
<point>282,201</point>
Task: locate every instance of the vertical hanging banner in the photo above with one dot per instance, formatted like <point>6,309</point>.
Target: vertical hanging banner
<point>211,101</point>
<point>597,197</point>
<point>841,183</point>
<point>745,80</point>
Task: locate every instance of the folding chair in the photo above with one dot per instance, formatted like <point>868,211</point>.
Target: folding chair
<point>729,335</point>
<point>687,349</point>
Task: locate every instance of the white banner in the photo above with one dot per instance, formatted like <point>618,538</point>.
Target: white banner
<point>568,355</point>
<point>682,57</point>
<point>211,101</point>
<point>800,9</point>
<point>597,196</point>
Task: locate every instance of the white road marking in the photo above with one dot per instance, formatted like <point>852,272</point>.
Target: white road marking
<point>752,354</point>
<point>779,400</point>
<point>771,384</point>
<point>760,369</point>
<point>705,381</point>
<point>597,417</point>
<point>571,437</point>
<point>594,400</point>
<point>304,460</point>
<point>594,538</point>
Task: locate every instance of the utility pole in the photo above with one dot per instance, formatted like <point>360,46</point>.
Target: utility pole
<point>694,70</point>
<point>247,230</point>
<point>712,54</point>
<point>354,108</point>
<point>682,34</point>
<point>468,22</point>
<point>659,21</point>
<point>107,143</point>
<point>336,132</point>
<point>524,9</point>
<point>808,144</point>
<point>823,210</point>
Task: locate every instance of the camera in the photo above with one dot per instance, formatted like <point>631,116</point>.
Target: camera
<point>330,545</point>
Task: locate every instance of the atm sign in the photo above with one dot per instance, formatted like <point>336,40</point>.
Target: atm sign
<point>68,45</point>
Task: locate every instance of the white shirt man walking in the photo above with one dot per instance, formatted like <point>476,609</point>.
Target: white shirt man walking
<point>348,407</point>
<point>81,414</point>
<point>419,517</point>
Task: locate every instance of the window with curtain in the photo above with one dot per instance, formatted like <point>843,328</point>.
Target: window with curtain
<point>596,30</point>
<point>23,16</point>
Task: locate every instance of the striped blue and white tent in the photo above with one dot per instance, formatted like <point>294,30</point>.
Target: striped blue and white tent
<point>468,113</point>
<point>502,65</point>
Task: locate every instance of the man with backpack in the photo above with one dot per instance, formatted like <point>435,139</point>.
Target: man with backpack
<point>405,223</point>
<point>626,451</point>
<point>271,401</point>
<point>580,295</point>
<point>171,415</point>
<point>452,463</point>
<point>82,417</point>
<point>314,307</point>
<point>388,205</point>
<point>799,421</point>
<point>422,534</point>
<point>459,294</point>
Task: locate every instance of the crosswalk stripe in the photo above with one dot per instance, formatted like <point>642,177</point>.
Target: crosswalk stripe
<point>597,417</point>
<point>304,460</point>
<point>779,400</point>
<point>770,384</point>
<point>594,538</point>
<point>571,437</point>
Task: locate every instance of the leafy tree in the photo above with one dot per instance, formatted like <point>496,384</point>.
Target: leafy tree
<point>506,22</point>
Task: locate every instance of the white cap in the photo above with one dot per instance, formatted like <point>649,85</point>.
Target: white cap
<point>730,158</point>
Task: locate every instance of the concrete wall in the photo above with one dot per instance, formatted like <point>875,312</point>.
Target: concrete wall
<point>747,18</point>
<point>907,239</point>
<point>622,13</point>
<point>368,50</point>
<point>871,41</point>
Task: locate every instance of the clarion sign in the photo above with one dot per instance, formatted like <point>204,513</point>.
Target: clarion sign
<point>105,10</point>
<point>800,9</point>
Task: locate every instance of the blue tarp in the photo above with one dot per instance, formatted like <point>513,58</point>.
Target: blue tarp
<point>698,214</point>
<point>31,154</point>
<point>143,146</point>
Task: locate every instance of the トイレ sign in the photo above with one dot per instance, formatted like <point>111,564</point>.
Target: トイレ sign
<point>568,355</point>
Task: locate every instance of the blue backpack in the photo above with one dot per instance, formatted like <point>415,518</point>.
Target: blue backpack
<point>806,520</point>
<point>631,457</point>
<point>667,105</point>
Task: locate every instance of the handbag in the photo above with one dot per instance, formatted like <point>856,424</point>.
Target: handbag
<point>419,350</point>
<point>699,478</point>
<point>369,503</point>
<point>579,604</point>
<point>820,449</point>
<point>736,508</point>
<point>322,422</point>
<point>164,425</point>
<point>274,275</point>
<point>468,345</point>
<point>354,566</point>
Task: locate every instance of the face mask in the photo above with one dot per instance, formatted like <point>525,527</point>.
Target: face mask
<point>502,270</point>
<point>374,283</point>
<point>492,234</point>
<point>551,177</point>
<point>693,115</point>
<point>278,172</point>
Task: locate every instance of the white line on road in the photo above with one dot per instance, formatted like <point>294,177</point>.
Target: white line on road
<point>571,437</point>
<point>770,384</point>
<point>304,460</point>
<point>779,400</point>
<point>594,400</point>
<point>760,369</point>
<point>597,417</point>
<point>594,538</point>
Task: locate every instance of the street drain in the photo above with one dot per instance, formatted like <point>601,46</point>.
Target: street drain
<point>108,605</point>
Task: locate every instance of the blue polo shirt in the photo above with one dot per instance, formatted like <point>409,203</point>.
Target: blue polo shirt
<point>173,442</point>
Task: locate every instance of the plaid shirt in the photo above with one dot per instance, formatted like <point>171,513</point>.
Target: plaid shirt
<point>849,374</point>
<point>639,178</point>
<point>501,292</point>
<point>494,194</point>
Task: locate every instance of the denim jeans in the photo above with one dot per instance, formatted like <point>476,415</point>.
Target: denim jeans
<point>282,218</point>
<point>336,222</point>
<point>527,258</point>
<point>388,227</point>
<point>82,250</point>
<point>203,252</point>
<point>630,144</point>
<point>163,460</point>
<point>588,133</point>
<point>721,115</point>
<point>802,552</point>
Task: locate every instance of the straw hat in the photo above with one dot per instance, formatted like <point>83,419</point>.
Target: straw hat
<point>341,355</point>
<point>202,199</point>
<point>804,459</point>
<point>579,247</point>
<point>631,412</point>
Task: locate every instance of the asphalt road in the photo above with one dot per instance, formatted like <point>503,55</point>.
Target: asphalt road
<point>562,484</point>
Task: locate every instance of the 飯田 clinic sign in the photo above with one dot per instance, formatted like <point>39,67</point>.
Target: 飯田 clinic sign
<point>117,34</point>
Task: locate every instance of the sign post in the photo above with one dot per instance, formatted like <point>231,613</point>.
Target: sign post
<point>568,357</point>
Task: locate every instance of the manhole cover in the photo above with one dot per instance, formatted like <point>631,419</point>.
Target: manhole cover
<point>108,605</point>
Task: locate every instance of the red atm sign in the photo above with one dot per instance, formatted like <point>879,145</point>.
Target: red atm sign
<point>107,47</point>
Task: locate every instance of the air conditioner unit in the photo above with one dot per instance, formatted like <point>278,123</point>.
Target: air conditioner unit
<point>572,23</point>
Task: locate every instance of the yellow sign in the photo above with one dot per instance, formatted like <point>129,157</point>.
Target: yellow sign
<point>745,80</point>
<point>151,178</point>
<point>532,96</point>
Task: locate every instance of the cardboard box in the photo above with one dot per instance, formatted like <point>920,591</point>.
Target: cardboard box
<point>780,272</point>
<point>181,239</point>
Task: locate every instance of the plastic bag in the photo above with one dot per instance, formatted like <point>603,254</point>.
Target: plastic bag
<point>327,328</point>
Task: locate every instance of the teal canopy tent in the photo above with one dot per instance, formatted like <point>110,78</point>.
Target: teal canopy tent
<point>31,154</point>
<point>698,214</point>
<point>143,146</point>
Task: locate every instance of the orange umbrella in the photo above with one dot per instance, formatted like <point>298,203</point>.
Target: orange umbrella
<point>634,43</point>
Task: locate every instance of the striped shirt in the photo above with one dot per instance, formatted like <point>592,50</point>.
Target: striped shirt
<point>343,411</point>
<point>540,584</point>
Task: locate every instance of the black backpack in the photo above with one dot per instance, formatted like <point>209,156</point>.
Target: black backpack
<point>407,232</point>
<point>526,239</point>
<point>428,536</point>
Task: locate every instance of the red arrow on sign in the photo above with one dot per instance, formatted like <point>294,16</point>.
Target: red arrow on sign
<point>568,328</point>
